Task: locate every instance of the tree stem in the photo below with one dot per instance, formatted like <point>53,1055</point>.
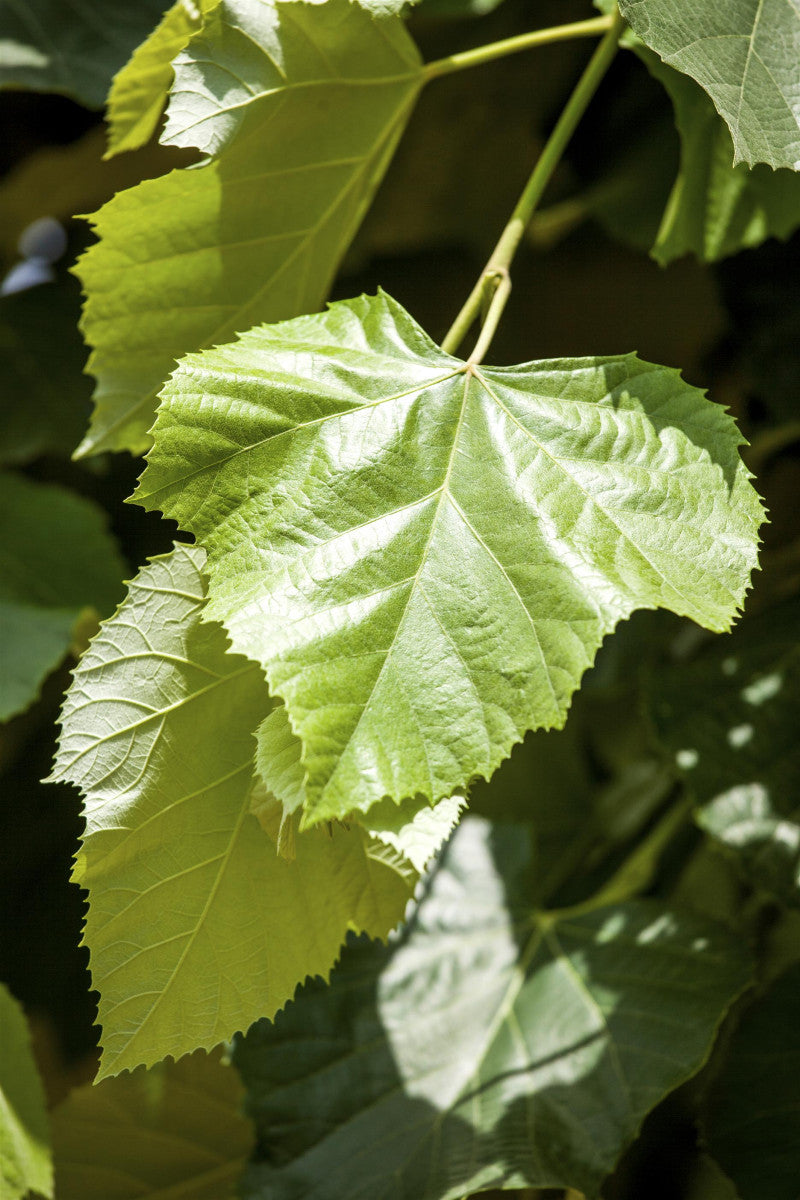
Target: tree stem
<point>500,261</point>
<point>513,45</point>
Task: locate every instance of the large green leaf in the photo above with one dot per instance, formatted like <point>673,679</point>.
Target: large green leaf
<point>753,1126</point>
<point>196,926</point>
<point>424,555</point>
<point>715,208</point>
<point>258,232</point>
<point>45,396</point>
<point>175,1130</point>
<point>730,721</point>
<point>491,1046</point>
<point>745,54</point>
<point>24,1132</point>
<point>69,45</point>
<point>58,559</point>
<point>139,91</point>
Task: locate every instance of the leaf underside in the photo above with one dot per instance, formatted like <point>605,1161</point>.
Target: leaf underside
<point>489,1047</point>
<point>196,927</point>
<point>257,232</point>
<point>744,53</point>
<point>425,555</point>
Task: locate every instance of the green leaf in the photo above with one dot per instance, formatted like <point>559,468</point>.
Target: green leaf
<point>457,8</point>
<point>490,1046</point>
<point>58,559</point>
<point>196,927</point>
<point>412,829</point>
<point>258,231</point>
<point>45,398</point>
<point>753,1126</point>
<point>744,53</point>
<point>175,1130</point>
<point>729,720</point>
<point>24,1130</point>
<point>71,47</point>
<point>715,208</point>
<point>424,555</point>
<point>139,91</point>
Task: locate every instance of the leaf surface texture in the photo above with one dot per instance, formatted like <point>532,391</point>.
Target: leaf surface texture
<point>425,555</point>
<point>196,926</point>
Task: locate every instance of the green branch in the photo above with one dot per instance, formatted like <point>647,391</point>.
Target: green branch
<point>513,45</point>
<point>500,261</point>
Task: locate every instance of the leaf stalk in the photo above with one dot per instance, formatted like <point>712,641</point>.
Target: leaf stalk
<point>514,45</point>
<point>502,256</point>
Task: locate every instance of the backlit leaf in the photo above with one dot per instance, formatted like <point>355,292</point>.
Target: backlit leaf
<point>176,1129</point>
<point>491,1046</point>
<point>139,91</point>
<point>196,927</point>
<point>744,53</point>
<point>256,234</point>
<point>24,1133</point>
<point>424,555</point>
<point>58,559</point>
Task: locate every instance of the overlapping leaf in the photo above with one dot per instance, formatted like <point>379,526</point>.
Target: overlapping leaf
<point>256,234</point>
<point>196,926</point>
<point>24,1133</point>
<point>176,1130</point>
<point>58,559</point>
<point>730,722</point>
<point>753,1124</point>
<point>69,46</point>
<point>139,91</point>
<point>745,54</point>
<point>490,1046</point>
<point>717,208</point>
<point>424,555</point>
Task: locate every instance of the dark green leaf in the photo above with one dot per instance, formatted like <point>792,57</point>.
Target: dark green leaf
<point>58,559</point>
<point>490,1046</point>
<point>71,46</point>
<point>753,1125</point>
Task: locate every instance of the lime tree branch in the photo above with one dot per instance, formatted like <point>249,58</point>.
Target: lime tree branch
<point>513,45</point>
<point>495,275</point>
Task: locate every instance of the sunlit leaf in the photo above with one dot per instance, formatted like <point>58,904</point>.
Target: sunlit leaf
<point>490,1046</point>
<point>423,554</point>
<point>744,53</point>
<point>256,234</point>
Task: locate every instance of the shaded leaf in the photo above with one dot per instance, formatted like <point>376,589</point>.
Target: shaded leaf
<point>71,47</point>
<point>139,90</point>
<point>715,208</point>
<point>490,1046</point>
<point>58,559</point>
<point>744,53</point>
<point>729,719</point>
<point>196,927</point>
<point>177,1126</point>
<point>24,1129</point>
<point>753,1123</point>
<point>423,554</point>
<point>260,229</point>
<point>45,398</point>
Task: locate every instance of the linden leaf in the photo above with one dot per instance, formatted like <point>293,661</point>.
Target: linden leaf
<point>424,554</point>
